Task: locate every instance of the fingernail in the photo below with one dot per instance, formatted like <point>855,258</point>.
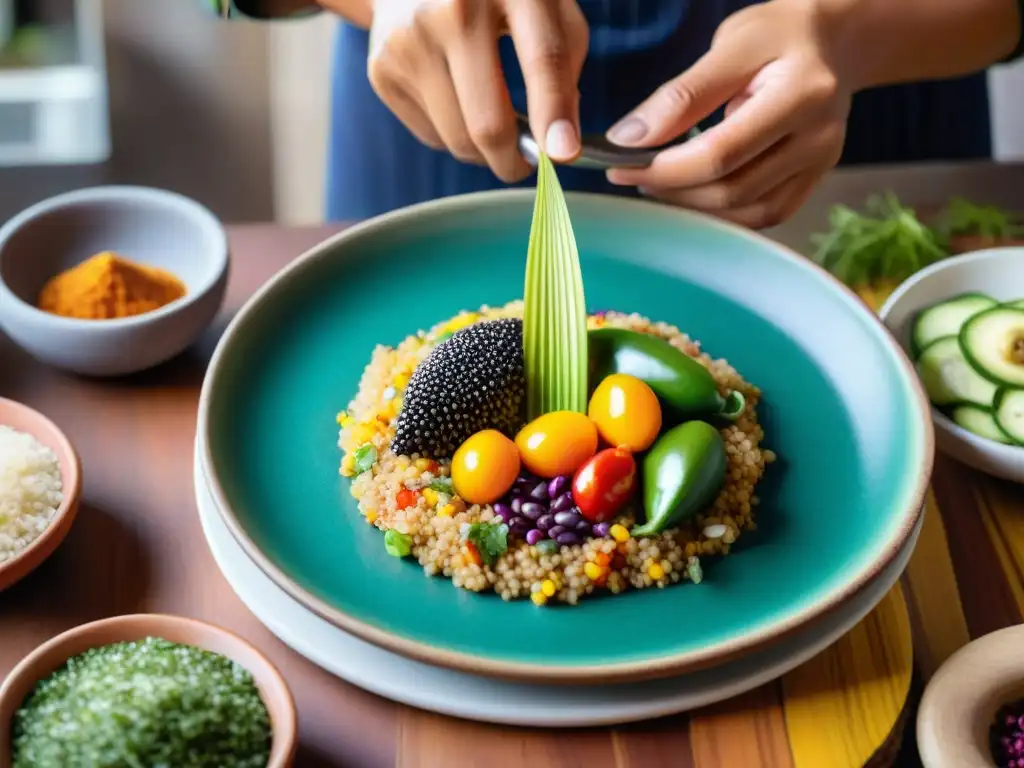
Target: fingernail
<point>628,131</point>
<point>562,142</point>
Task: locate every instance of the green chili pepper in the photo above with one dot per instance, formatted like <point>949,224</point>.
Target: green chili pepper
<point>397,544</point>
<point>685,387</point>
<point>683,473</point>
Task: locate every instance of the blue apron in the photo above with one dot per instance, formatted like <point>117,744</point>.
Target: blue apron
<point>376,165</point>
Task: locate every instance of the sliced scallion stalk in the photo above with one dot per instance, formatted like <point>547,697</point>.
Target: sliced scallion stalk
<point>554,312</point>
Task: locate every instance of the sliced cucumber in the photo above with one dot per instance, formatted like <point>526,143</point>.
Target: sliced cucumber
<point>993,343</point>
<point>946,318</point>
<point>1009,413</point>
<point>949,379</point>
<point>980,421</point>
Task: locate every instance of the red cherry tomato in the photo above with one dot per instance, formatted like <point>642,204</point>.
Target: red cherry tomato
<point>604,484</point>
<point>407,498</point>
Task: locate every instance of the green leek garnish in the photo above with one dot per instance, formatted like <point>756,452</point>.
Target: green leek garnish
<point>554,313</point>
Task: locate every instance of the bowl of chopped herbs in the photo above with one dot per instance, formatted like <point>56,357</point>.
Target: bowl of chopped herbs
<point>146,689</point>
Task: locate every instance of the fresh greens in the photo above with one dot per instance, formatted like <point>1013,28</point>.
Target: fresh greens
<point>962,218</point>
<point>442,485</point>
<point>554,314</point>
<point>365,456</point>
<point>490,540</point>
<point>887,243</point>
<point>397,544</point>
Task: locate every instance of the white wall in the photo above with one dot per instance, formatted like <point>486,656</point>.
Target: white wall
<point>1006,86</point>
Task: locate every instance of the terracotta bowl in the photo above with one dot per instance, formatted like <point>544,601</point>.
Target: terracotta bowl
<point>961,701</point>
<point>52,654</point>
<point>24,419</point>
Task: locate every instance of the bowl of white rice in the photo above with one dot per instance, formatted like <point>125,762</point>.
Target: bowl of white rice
<point>40,483</point>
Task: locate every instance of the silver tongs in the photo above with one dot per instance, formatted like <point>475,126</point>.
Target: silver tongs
<point>598,153</point>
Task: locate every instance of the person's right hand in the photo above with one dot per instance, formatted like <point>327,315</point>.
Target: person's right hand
<point>435,64</point>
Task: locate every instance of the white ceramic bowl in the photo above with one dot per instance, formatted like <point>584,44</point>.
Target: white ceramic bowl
<point>998,272</point>
<point>149,226</point>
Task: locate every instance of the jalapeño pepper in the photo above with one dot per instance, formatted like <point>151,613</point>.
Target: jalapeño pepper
<point>685,387</point>
<point>682,474</point>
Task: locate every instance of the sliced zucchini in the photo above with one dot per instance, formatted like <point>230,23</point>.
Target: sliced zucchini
<point>980,421</point>
<point>993,342</point>
<point>1009,413</point>
<point>946,318</point>
<point>949,379</point>
<point>1018,304</point>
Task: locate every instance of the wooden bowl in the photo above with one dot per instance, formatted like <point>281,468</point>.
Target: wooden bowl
<point>24,419</point>
<point>52,654</point>
<point>960,703</point>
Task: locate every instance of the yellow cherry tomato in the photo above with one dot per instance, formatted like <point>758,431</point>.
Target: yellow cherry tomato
<point>557,443</point>
<point>626,412</point>
<point>485,467</point>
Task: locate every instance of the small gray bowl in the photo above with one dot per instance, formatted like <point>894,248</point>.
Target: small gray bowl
<point>149,226</point>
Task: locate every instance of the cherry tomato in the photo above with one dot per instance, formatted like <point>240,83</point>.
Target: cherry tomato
<point>407,498</point>
<point>604,484</point>
<point>557,443</point>
<point>485,467</point>
<point>626,412</point>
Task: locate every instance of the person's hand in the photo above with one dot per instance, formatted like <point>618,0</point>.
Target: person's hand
<point>435,64</point>
<point>784,126</point>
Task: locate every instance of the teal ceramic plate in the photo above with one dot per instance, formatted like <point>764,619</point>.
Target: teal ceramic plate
<point>841,407</point>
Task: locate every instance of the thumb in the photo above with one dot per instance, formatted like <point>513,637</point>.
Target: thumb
<point>681,103</point>
<point>551,51</point>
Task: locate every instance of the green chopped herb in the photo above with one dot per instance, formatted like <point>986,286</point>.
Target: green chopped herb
<point>397,544</point>
<point>547,547</point>
<point>694,570</point>
<point>490,539</point>
<point>887,243</point>
<point>144,703</point>
<point>962,218</point>
<point>442,485</point>
<point>554,311</point>
<point>365,456</point>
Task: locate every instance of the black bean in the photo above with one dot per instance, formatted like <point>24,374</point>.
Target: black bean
<point>556,531</point>
<point>503,510</point>
<point>557,486</point>
<point>520,525</point>
<point>545,522</point>
<point>584,527</point>
<point>532,510</point>
<point>539,492</point>
<point>562,503</point>
<point>568,518</point>
<point>517,505</point>
<point>567,538</point>
<point>524,483</point>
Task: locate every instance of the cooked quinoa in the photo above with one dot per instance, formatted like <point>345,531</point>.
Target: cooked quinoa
<point>435,521</point>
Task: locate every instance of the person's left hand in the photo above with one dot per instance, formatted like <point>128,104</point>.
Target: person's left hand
<point>784,126</point>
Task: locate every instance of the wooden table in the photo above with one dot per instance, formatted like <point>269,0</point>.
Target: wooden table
<point>137,546</point>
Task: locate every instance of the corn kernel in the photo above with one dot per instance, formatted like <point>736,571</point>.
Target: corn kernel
<point>619,533</point>
<point>371,516</point>
<point>447,510</point>
<point>431,496</point>
<point>539,598</point>
<point>656,572</point>
<point>422,464</point>
<point>593,571</point>
<point>401,381</point>
<point>348,465</point>
<point>341,417</point>
<point>547,588</point>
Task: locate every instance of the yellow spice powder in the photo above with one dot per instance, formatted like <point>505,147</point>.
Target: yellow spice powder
<point>106,287</point>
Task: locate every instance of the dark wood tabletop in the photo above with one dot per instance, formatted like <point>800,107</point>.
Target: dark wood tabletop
<point>137,546</point>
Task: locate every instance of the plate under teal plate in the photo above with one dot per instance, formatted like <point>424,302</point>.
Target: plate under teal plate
<point>841,408</point>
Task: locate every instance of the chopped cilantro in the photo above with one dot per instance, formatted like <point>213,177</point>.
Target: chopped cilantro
<point>442,485</point>
<point>490,539</point>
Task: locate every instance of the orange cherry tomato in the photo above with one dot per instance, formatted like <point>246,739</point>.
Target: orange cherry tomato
<point>604,484</point>
<point>485,467</point>
<point>626,412</point>
<point>557,443</point>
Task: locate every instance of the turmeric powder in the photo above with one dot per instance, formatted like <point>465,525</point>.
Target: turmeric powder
<point>106,287</point>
